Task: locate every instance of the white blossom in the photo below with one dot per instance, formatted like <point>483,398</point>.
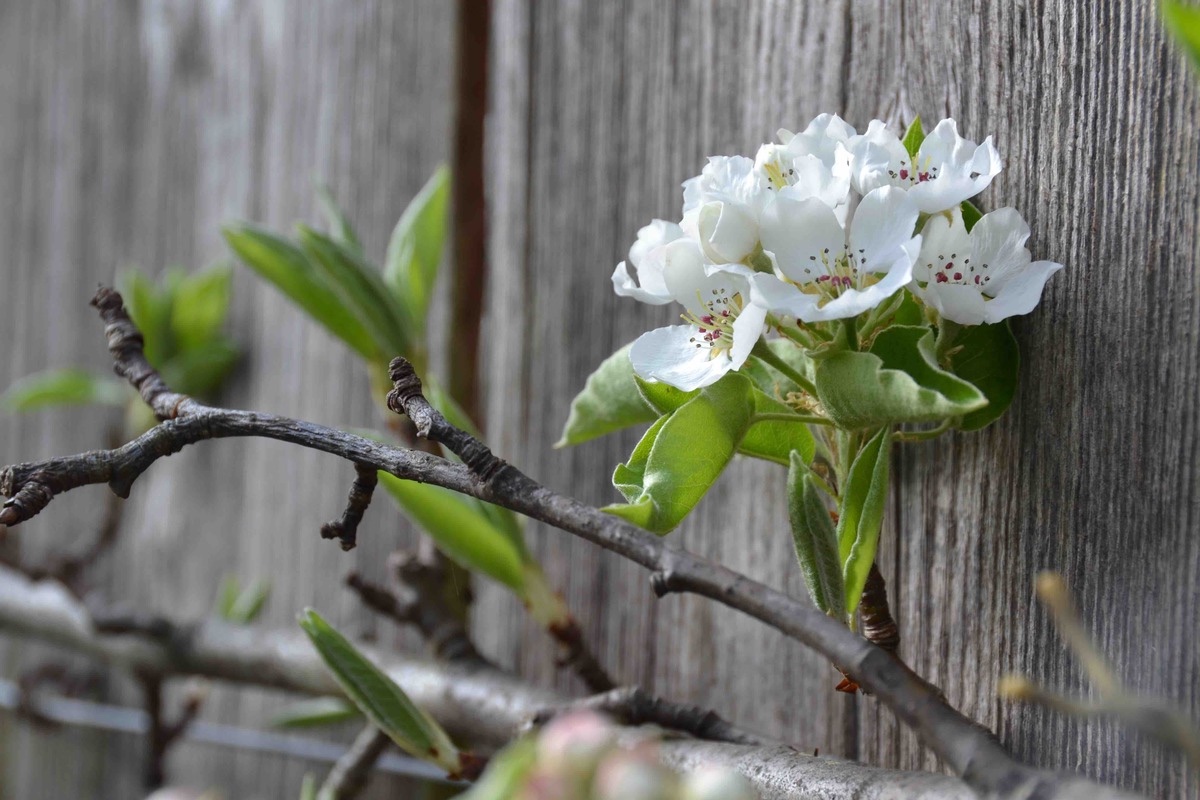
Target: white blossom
<point>721,208</point>
<point>647,257</point>
<point>813,163</point>
<point>984,276</point>
<point>824,270</point>
<point>947,170</point>
<point>722,325</point>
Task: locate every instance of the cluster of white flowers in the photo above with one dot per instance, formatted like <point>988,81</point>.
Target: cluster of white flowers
<point>822,227</point>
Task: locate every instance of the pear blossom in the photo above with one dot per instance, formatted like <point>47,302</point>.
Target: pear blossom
<point>647,257</point>
<point>947,170</point>
<point>721,208</point>
<point>813,163</point>
<point>722,325</point>
<point>825,270</point>
<point>984,276</point>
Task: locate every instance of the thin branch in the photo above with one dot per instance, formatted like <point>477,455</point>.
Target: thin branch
<point>345,530</point>
<point>967,748</point>
<point>350,774</point>
<point>630,705</point>
<point>478,706</point>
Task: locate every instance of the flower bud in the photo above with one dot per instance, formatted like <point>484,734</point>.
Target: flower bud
<point>631,776</point>
<point>714,783</point>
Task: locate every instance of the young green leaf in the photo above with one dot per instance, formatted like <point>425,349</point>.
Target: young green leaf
<point>202,368</point>
<point>316,712</point>
<point>1183,20</point>
<point>150,308</point>
<point>776,440</point>
<point>663,398</point>
<point>683,454</point>
<point>610,401</point>
<point>227,597</point>
<point>361,288</point>
<point>897,381</point>
<point>249,603</point>
<point>863,501</point>
<point>970,214</point>
<point>988,356</point>
<point>415,249</point>
<point>461,529</point>
<point>287,267</point>
<point>308,788</point>
<point>768,378</point>
<point>506,773</point>
<point>379,697</point>
<point>816,540</point>
<point>64,387</point>
<point>201,303</point>
<point>913,137</point>
<point>339,224</point>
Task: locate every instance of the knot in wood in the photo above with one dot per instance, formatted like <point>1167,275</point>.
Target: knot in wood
<point>406,385</point>
<point>7,477</point>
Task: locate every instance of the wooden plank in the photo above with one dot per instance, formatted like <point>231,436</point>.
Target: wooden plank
<point>130,133</point>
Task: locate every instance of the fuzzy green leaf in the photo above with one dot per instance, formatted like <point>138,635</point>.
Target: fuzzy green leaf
<point>64,387</point>
<point>776,440</point>
<point>897,381</point>
<point>316,712</point>
<point>361,288</point>
<point>1183,20</point>
<point>461,529</point>
<point>861,515</point>
<point>150,309</point>
<point>287,267</point>
<point>970,214</point>
<point>200,306</point>
<point>913,138</point>
<point>683,454</point>
<point>988,356</point>
<point>415,249</point>
<point>379,697</point>
<point>610,401</point>
<point>201,369</point>
<point>340,228</point>
<point>816,540</point>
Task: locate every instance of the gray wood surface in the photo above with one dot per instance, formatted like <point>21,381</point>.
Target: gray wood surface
<point>130,131</point>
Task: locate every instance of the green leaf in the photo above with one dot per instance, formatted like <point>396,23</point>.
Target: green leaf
<point>199,307</point>
<point>461,529</point>
<point>227,597</point>
<point>415,249</point>
<point>339,225</point>
<point>909,312</point>
<point>863,503</point>
<point>506,773</point>
<point>610,401</point>
<point>361,288</point>
<point>897,381</point>
<point>287,267</point>
<point>64,387</point>
<point>150,309</point>
<point>816,540</point>
<point>988,356</point>
<point>776,440</point>
<point>379,697</point>
<point>1183,21</point>
<point>913,138</point>
<point>772,381</point>
<point>202,369</point>
<point>683,454</point>
<point>970,214</point>
<point>663,398</point>
<point>316,712</point>
<point>241,606</point>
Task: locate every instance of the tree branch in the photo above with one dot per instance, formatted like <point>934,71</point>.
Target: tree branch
<point>478,706</point>
<point>350,774</point>
<point>967,748</point>
<point>345,529</point>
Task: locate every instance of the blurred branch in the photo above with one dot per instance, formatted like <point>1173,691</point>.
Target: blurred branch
<point>1152,716</point>
<point>350,774</point>
<point>967,748</point>
<point>481,706</point>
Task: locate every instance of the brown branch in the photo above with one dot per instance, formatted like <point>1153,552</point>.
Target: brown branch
<point>967,748</point>
<point>350,774</point>
<point>163,734</point>
<point>575,655</point>
<point>345,530</point>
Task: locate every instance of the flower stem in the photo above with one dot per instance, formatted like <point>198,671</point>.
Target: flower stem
<point>811,419</point>
<point>920,436</point>
<point>765,354</point>
<point>851,329</point>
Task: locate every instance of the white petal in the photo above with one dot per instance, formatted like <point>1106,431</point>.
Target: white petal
<point>747,330</point>
<point>882,225</point>
<point>1021,293</point>
<point>668,355</point>
<point>942,235</point>
<point>821,137</point>
<point>873,155</point>
<point>957,302</point>
<point>815,179</point>
<point>780,297</point>
<point>998,240</point>
<point>692,285</point>
<point>963,169</point>
<point>852,302</point>
<point>625,286</point>
<point>728,178</point>
<point>727,231</point>
<point>799,233</point>
<point>658,232</point>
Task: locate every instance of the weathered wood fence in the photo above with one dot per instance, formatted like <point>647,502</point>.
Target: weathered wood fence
<point>129,131</point>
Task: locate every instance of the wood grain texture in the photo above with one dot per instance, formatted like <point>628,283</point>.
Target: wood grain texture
<point>601,109</point>
<point>129,132</point>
